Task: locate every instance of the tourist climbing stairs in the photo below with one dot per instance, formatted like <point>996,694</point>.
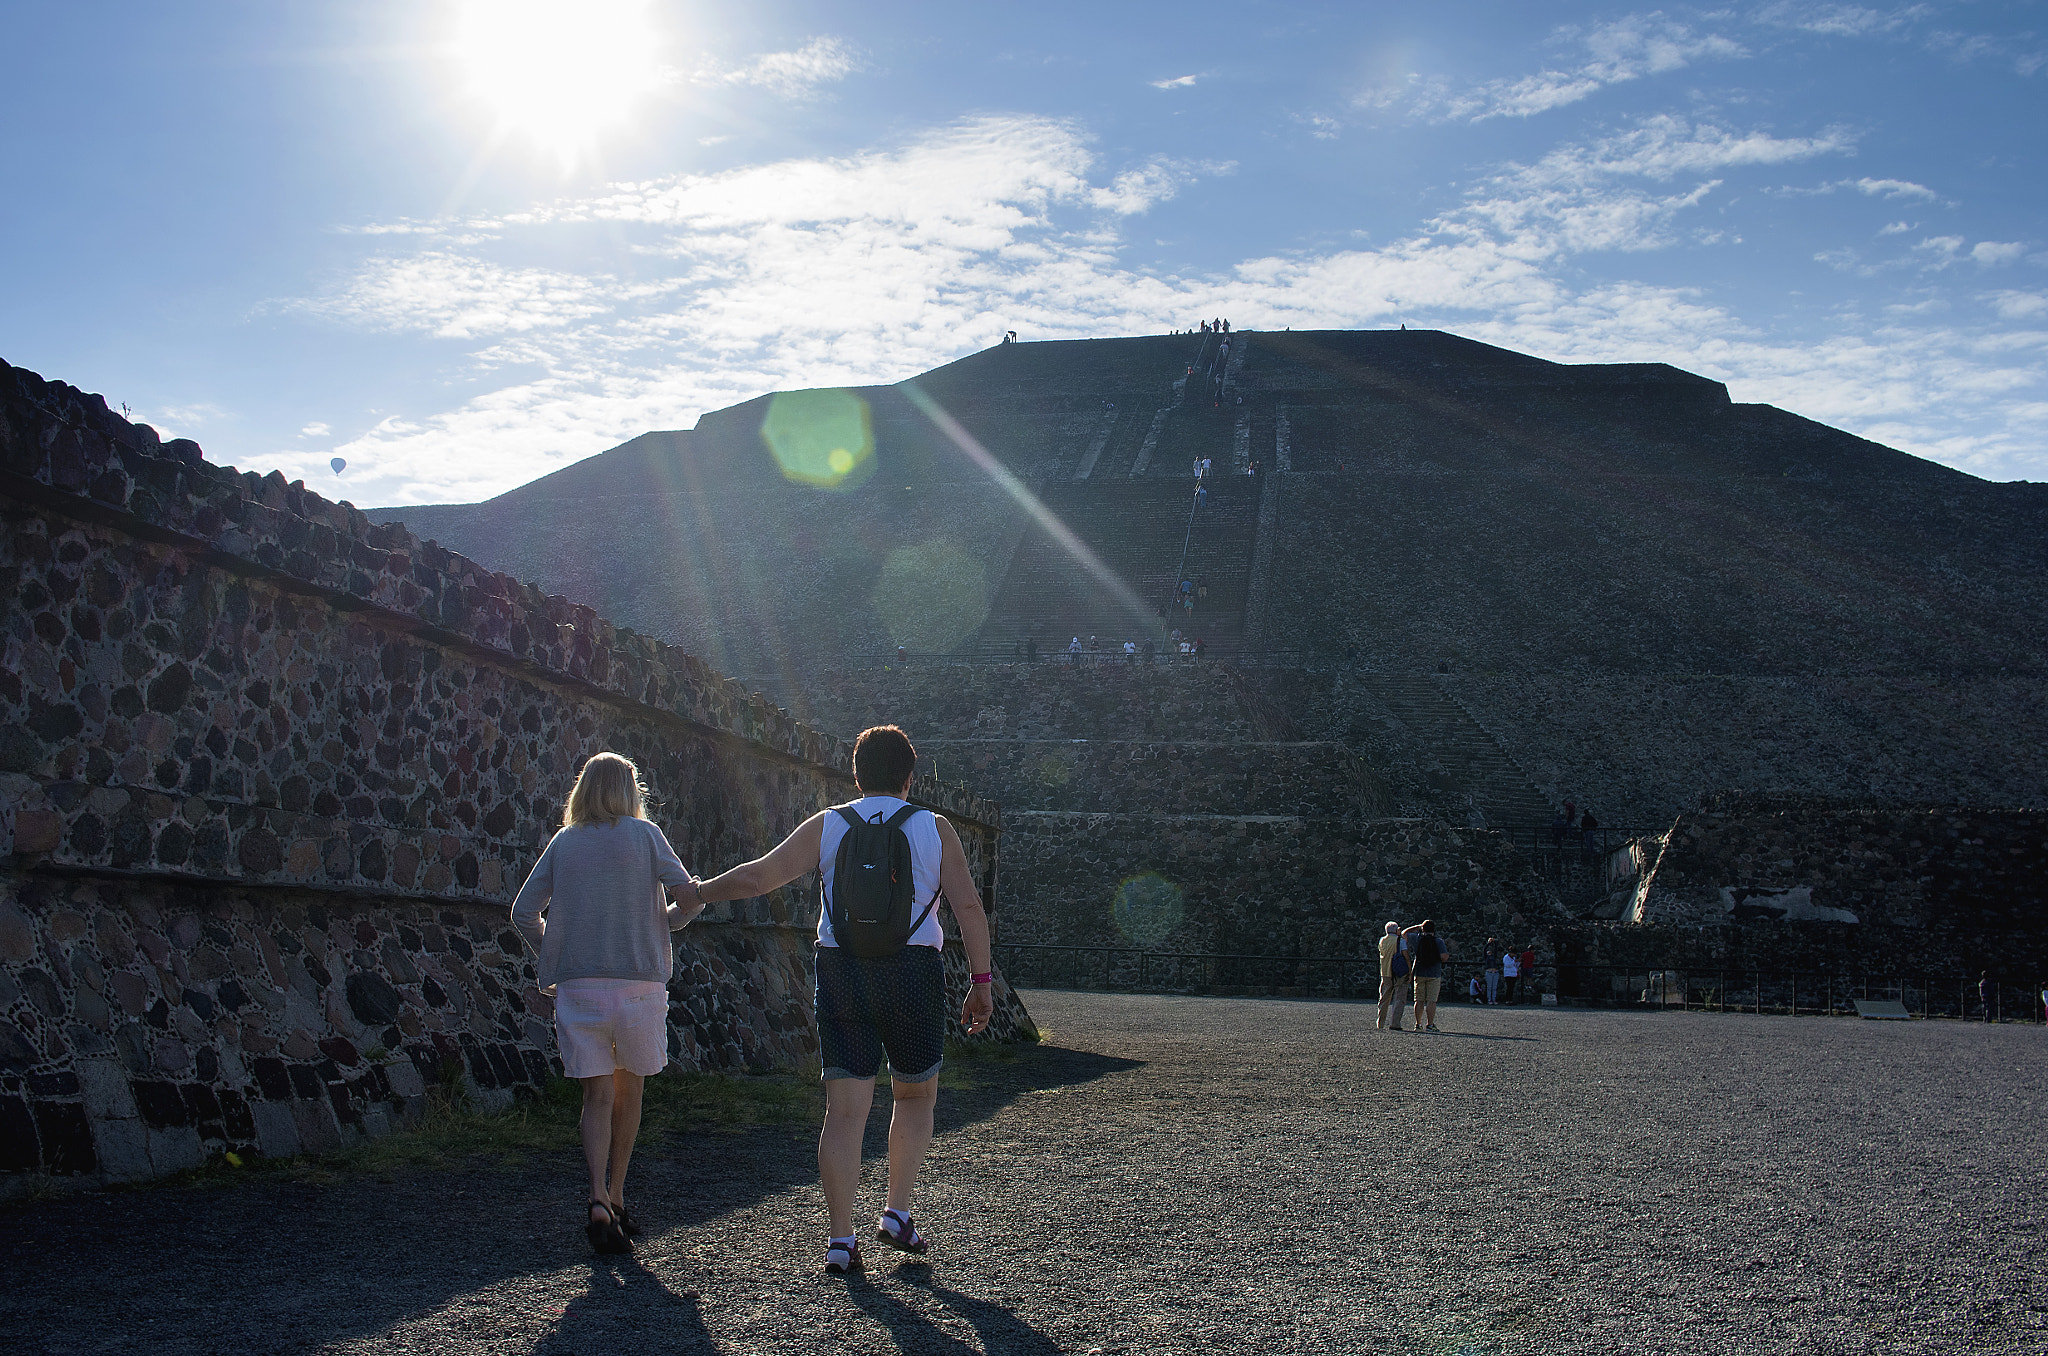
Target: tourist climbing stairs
<point>1137,530</point>
<point>1498,787</point>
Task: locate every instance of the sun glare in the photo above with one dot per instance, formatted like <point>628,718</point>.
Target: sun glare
<point>560,72</point>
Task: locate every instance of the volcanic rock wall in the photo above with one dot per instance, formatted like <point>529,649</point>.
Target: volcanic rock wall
<point>269,777</point>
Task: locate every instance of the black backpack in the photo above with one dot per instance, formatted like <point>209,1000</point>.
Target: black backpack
<point>872,888</point>
<point>1427,953</point>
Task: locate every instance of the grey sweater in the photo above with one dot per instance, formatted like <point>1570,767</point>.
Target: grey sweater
<point>606,915</point>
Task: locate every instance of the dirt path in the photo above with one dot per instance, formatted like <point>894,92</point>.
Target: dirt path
<point>1194,1175</point>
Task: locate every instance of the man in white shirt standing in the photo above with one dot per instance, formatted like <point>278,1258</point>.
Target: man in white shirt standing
<point>872,1006</point>
<point>1394,987</point>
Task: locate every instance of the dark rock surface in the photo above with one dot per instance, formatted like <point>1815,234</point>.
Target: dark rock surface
<point>270,776</point>
<point>1194,1175</point>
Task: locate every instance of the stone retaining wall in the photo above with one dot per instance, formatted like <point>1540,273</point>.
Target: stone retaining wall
<point>1640,748</point>
<point>1315,780</point>
<point>269,777</point>
<point>1266,886</point>
<point>1101,698</point>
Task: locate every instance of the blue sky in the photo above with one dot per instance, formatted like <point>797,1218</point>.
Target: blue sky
<point>462,244</point>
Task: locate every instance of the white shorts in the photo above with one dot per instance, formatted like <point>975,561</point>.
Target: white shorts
<point>607,1024</point>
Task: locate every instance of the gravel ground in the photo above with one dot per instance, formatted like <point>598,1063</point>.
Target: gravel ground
<point>1189,1175</point>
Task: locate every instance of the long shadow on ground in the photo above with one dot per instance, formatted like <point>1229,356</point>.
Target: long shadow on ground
<point>296,1266</point>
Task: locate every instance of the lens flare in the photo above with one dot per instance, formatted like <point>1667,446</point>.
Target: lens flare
<point>821,438</point>
<point>1147,908</point>
<point>931,596</point>
<point>971,447</point>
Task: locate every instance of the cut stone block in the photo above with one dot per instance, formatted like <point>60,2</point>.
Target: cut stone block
<point>123,1147</point>
<point>175,1149</point>
<point>104,1084</point>
<point>277,1131</point>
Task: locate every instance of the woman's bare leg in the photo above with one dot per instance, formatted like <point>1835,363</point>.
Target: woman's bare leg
<point>627,1090</point>
<point>597,1133</point>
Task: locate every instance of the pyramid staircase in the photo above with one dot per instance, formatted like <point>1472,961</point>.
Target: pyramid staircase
<point>1498,786</point>
<point>1136,528</point>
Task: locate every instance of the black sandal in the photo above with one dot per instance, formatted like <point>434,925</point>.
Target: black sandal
<point>628,1224</point>
<point>606,1236</point>
<point>843,1259</point>
<point>908,1239</point>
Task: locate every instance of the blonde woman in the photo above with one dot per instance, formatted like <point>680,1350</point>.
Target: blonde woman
<point>605,955</point>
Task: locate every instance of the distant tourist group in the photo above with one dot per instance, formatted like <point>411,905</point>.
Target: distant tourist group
<point>1188,646</point>
<point>608,890</point>
<point>1412,961</point>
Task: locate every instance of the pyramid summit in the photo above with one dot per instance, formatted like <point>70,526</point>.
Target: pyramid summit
<point>1639,591</point>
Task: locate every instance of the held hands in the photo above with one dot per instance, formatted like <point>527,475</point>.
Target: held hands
<point>688,904</point>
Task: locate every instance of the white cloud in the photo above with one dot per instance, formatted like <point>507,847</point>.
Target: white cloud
<point>183,421</point>
<point>1846,21</point>
<point>873,267</point>
<point>1630,48</point>
<point>1992,252</point>
<point>793,75</point>
<point>315,431</point>
<point>1894,189</point>
<point>452,296</point>
<point>1941,250</point>
<point>1898,227</point>
<point>1159,179</point>
<point>2019,305</point>
<point>1177,82</point>
<point>1580,197</point>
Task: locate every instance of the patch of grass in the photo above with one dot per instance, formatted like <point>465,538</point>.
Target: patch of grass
<point>700,1101</point>
<point>454,1133</point>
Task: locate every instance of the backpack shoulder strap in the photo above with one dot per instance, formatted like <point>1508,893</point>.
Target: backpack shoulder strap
<point>896,820</point>
<point>847,813</point>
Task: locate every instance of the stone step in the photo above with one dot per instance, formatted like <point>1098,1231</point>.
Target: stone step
<point>1497,785</point>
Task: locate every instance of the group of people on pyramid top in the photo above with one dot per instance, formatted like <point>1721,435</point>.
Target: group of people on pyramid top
<point>1215,327</point>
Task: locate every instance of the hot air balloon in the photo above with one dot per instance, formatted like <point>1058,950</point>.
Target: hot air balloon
<point>339,464</point>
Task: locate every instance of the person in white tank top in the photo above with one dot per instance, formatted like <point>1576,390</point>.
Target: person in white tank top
<point>926,852</point>
<point>867,1006</point>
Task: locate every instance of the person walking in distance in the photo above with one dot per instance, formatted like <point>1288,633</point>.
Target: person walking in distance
<point>1510,971</point>
<point>1526,964</point>
<point>1396,981</point>
<point>1494,968</point>
<point>1430,952</point>
<point>595,911</point>
<point>881,986</point>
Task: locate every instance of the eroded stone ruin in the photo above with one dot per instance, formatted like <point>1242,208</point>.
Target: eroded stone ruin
<point>1796,675</point>
<point>1466,586</point>
<point>271,773</point>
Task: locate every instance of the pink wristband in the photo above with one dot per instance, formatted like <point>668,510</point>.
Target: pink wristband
<point>982,979</point>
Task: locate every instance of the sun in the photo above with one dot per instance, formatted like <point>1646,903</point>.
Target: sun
<point>558,72</point>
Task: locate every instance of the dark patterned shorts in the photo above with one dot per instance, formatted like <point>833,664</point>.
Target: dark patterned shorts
<point>894,1004</point>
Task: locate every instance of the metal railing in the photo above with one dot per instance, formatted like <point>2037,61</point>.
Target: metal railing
<point>1697,987</point>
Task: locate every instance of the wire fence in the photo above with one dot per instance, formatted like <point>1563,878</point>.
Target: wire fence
<point>1698,987</point>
